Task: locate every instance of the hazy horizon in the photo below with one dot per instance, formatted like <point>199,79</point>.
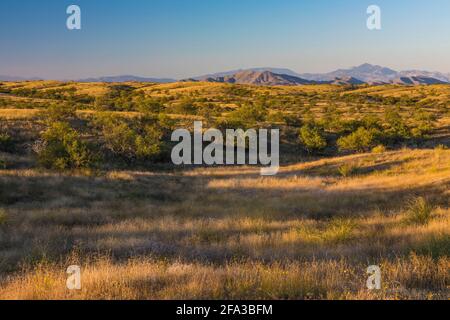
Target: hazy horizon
<point>207,73</point>
<point>181,39</point>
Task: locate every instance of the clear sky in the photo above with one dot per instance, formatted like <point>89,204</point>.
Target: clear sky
<point>183,38</point>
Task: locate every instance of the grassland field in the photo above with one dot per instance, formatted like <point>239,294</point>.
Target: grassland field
<point>141,228</point>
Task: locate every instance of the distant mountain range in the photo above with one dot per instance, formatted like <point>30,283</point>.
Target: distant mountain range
<point>109,79</point>
<point>363,74</point>
<point>127,78</point>
<point>374,74</point>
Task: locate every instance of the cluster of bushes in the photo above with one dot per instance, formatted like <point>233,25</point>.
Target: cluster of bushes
<point>141,138</point>
<point>127,98</point>
<point>61,147</point>
<point>18,104</point>
<point>363,134</point>
<point>131,140</point>
<point>361,140</point>
<point>247,116</point>
<point>237,90</point>
<point>313,138</point>
<point>67,94</point>
<point>105,136</point>
<point>118,98</point>
<point>59,112</point>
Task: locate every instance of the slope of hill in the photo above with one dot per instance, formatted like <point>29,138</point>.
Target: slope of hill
<point>347,81</point>
<point>417,73</point>
<point>417,80</point>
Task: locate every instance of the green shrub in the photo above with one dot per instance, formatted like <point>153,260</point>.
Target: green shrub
<point>275,117</point>
<point>186,107</point>
<point>312,137</point>
<point>140,140</point>
<point>149,106</point>
<point>419,211</point>
<point>247,116</point>
<point>397,128</point>
<point>423,123</point>
<point>62,148</point>
<point>292,120</point>
<point>60,112</point>
<point>360,140</point>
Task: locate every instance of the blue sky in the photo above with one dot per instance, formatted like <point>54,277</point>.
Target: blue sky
<point>182,38</point>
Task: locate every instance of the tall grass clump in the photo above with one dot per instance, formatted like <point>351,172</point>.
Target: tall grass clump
<point>347,170</point>
<point>419,211</point>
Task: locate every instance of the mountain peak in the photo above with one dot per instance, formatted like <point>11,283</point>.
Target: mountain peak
<point>264,77</point>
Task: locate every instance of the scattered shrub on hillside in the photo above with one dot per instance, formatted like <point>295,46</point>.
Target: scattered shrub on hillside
<point>361,140</point>
<point>237,90</point>
<point>209,112</point>
<point>275,117</point>
<point>397,129</point>
<point>186,107</point>
<point>423,122</point>
<point>419,211</point>
<point>120,97</point>
<point>103,104</point>
<point>60,112</point>
<point>372,122</point>
<point>137,140</point>
<point>292,120</point>
<point>247,116</point>
<point>61,148</point>
<point>312,138</point>
<point>149,105</point>
<point>331,120</point>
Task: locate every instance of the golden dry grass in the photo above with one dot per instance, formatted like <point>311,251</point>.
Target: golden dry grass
<point>229,233</point>
<point>18,114</point>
